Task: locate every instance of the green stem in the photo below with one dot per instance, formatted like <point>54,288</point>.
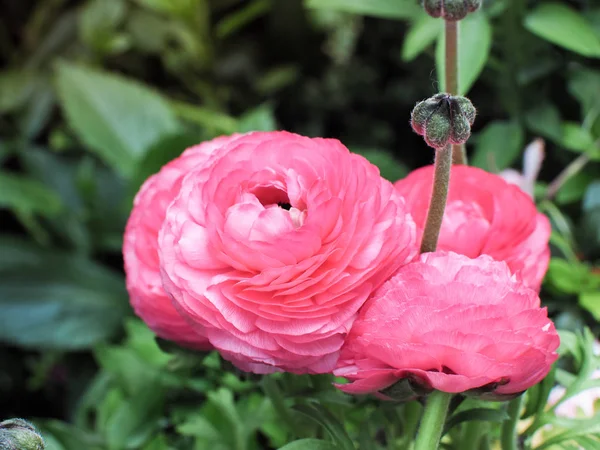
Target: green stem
<point>509,427</point>
<point>472,435</point>
<point>572,169</point>
<point>432,423</point>
<point>439,195</point>
<point>459,155</point>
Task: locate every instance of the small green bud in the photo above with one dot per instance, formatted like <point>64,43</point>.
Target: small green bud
<point>451,10</point>
<point>18,434</point>
<point>443,119</point>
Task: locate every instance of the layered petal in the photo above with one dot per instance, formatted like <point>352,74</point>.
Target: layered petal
<point>485,215</point>
<point>140,248</point>
<point>453,324</point>
<point>275,244</point>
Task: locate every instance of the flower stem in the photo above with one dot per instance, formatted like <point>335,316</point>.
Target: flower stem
<point>509,427</point>
<point>432,423</point>
<point>572,169</point>
<point>459,155</point>
<point>439,195</point>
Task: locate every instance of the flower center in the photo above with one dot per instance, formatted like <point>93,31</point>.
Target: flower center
<point>272,195</point>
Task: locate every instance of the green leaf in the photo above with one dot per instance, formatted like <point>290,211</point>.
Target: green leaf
<point>214,121</point>
<point>119,119</point>
<point>135,419</point>
<point>241,17</point>
<point>28,196</point>
<point>574,188</point>
<point>16,88</point>
<point>386,9</point>
<point>333,426</point>
<point>258,119</point>
<point>480,414</point>
<point>69,437</point>
<point>584,85</point>
<point>160,154</point>
<point>474,44</point>
<point>499,145</point>
<point>564,26</point>
<point>56,300</point>
<point>310,444</point>
<point>591,302</point>
<point>544,120</point>
<point>568,277</point>
<point>422,33</point>
<point>575,137</point>
<point>390,168</point>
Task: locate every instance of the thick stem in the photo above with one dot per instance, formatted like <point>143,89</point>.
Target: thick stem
<point>439,195</point>
<point>432,423</point>
<point>509,427</point>
<point>451,71</point>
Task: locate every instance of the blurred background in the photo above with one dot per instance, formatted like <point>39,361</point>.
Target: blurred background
<point>97,95</point>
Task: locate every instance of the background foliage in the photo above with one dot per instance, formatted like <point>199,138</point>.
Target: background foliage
<point>96,95</point>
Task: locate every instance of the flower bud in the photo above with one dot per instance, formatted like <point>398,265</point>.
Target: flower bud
<point>443,119</point>
<point>18,434</point>
<point>451,10</point>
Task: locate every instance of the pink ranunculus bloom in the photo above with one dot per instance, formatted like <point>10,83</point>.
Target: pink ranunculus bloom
<point>140,248</point>
<point>450,323</point>
<point>275,244</point>
<point>485,215</point>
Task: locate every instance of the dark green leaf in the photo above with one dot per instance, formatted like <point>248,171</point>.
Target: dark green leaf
<point>584,85</point>
<point>574,188</point>
<point>160,154</point>
<point>257,119</point>
<point>55,300</point>
<point>333,426</point>
<point>499,145</point>
<point>15,89</point>
<point>480,414</point>
<point>545,121</point>
<point>474,44</point>
<point>386,9</point>
<point>422,33</point>
<point>28,196</point>
<point>310,444</point>
<point>117,118</point>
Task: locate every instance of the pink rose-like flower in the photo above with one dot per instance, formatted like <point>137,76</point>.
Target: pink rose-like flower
<point>274,245</point>
<point>485,215</point>
<point>140,248</point>
<point>450,323</point>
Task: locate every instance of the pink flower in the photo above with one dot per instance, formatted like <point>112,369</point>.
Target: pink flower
<point>275,244</point>
<point>450,323</point>
<point>140,248</point>
<point>485,215</point>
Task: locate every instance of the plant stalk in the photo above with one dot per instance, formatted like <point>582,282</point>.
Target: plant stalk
<point>432,423</point>
<point>510,435</point>
<point>459,155</point>
<point>439,195</point>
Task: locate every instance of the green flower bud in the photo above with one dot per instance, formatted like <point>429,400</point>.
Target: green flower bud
<point>443,119</point>
<point>18,434</point>
<point>451,10</point>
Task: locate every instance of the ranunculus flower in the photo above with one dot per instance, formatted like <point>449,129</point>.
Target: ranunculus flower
<point>275,244</point>
<point>485,215</point>
<point>450,323</point>
<point>148,298</point>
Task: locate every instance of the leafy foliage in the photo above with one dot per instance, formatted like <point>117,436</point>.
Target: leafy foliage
<point>96,95</point>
